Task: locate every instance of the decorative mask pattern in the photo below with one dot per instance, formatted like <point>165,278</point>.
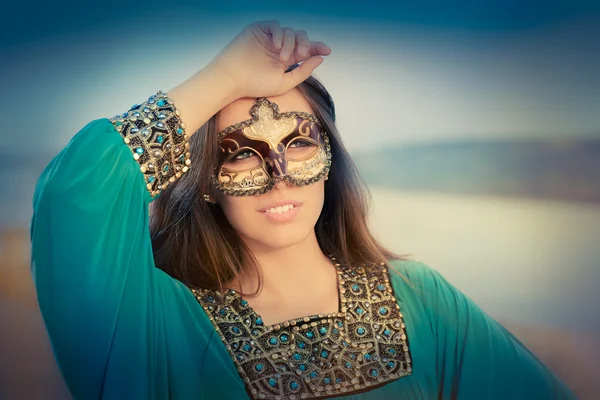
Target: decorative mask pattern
<point>269,147</point>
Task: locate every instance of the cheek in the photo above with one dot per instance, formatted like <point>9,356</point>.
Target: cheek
<point>240,211</point>
<point>243,217</point>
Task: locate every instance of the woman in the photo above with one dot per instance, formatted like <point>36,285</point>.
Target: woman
<point>264,281</point>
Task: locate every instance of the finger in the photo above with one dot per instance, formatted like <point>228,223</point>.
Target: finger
<point>319,49</point>
<point>300,74</point>
<point>302,46</point>
<point>289,41</point>
<point>273,28</point>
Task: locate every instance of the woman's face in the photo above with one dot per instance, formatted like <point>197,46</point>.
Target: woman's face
<point>284,215</point>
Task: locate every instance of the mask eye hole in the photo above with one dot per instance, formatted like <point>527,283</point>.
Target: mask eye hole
<point>300,148</point>
<point>243,159</point>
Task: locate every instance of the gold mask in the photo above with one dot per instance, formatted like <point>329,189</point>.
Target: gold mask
<point>269,147</point>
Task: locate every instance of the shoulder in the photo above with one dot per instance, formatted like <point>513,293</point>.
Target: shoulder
<point>416,273</point>
<point>420,282</point>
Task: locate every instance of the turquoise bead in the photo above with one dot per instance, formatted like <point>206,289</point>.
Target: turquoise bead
<point>360,330</point>
<point>323,330</point>
<point>301,345</point>
<point>313,374</point>
<point>272,382</point>
<point>324,353</point>
<point>310,335</point>
<point>161,102</point>
<point>359,311</point>
<point>383,310</point>
<point>139,150</point>
<point>273,341</point>
<point>259,321</point>
<point>259,367</point>
<point>294,385</point>
<point>297,356</point>
<point>302,367</point>
<point>179,131</point>
<point>327,381</point>
<point>374,373</point>
<point>160,139</point>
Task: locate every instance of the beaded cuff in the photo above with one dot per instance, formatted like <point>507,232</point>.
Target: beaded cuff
<point>156,136</point>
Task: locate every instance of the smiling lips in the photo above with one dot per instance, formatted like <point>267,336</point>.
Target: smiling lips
<point>281,211</point>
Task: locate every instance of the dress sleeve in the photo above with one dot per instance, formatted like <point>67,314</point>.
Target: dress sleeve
<point>477,358</point>
<point>92,262</point>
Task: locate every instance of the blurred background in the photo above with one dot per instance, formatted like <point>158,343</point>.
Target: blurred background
<point>476,126</point>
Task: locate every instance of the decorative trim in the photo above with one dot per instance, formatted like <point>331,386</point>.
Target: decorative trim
<point>156,136</point>
<point>362,346</point>
<point>276,114</point>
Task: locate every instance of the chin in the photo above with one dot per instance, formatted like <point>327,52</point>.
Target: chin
<point>281,237</point>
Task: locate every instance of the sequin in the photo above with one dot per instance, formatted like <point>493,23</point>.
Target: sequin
<point>139,132</point>
<point>354,350</point>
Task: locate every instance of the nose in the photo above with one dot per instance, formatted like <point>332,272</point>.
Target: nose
<point>280,183</point>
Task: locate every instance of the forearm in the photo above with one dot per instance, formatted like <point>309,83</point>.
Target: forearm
<point>202,96</point>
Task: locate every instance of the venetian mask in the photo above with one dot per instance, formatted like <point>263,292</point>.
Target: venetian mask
<point>269,147</point>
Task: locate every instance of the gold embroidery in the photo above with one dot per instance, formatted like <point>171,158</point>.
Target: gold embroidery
<point>156,135</point>
<point>362,346</point>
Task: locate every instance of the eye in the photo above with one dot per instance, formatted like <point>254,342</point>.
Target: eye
<point>301,143</point>
<point>243,155</point>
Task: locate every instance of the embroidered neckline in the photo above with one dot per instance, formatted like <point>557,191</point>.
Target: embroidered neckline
<point>361,346</point>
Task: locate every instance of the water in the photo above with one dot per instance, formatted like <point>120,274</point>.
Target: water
<point>524,261</point>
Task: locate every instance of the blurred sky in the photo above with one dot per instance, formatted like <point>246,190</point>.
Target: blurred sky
<point>399,73</point>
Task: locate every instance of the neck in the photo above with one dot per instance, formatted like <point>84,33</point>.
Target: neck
<point>280,266</point>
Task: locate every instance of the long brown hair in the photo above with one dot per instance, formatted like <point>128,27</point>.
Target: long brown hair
<point>194,243</point>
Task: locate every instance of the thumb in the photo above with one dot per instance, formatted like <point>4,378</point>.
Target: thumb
<point>300,74</point>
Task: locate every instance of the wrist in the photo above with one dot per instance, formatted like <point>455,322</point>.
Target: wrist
<point>203,95</point>
<point>225,88</point>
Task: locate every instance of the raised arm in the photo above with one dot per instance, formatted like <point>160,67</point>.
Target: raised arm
<point>92,259</point>
<point>103,301</point>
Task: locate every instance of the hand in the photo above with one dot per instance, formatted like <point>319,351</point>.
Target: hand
<point>256,59</point>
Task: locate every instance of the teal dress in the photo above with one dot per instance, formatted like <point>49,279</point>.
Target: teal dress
<point>122,328</point>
